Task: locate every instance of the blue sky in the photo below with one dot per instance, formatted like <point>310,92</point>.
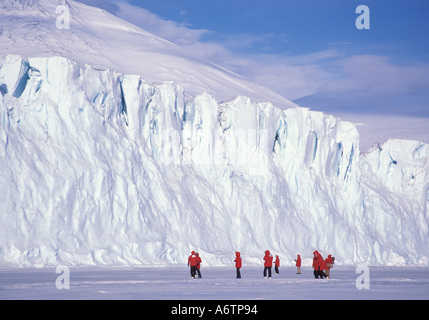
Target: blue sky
<point>305,26</point>
<point>310,51</point>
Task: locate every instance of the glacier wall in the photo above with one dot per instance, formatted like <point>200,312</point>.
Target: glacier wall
<point>97,167</point>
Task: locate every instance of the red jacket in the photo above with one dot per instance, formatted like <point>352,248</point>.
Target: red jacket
<point>193,259</point>
<point>277,262</point>
<point>237,260</point>
<point>318,262</point>
<point>268,258</point>
<point>328,260</point>
<point>298,261</point>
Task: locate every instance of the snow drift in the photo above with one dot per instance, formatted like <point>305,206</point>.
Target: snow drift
<point>99,167</point>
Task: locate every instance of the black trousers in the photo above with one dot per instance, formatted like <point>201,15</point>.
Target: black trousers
<point>276,269</point>
<point>238,273</point>
<point>319,273</point>
<point>193,271</point>
<point>269,271</point>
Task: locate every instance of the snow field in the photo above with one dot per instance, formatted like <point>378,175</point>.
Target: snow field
<point>218,283</point>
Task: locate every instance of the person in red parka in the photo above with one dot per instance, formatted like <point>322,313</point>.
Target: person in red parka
<point>193,261</point>
<point>318,265</point>
<point>277,264</point>
<point>238,264</point>
<point>298,264</point>
<point>268,264</point>
<point>329,263</point>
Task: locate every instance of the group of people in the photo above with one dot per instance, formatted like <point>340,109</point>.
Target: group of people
<point>268,264</point>
<point>321,267</point>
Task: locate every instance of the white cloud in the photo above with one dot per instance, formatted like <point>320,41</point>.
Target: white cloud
<point>175,32</point>
<point>374,84</point>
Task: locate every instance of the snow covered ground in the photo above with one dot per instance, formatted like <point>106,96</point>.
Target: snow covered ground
<point>218,283</point>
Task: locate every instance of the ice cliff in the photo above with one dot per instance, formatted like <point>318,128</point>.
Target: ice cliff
<point>99,167</point>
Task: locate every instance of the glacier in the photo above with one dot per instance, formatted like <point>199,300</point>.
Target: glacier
<point>99,167</point>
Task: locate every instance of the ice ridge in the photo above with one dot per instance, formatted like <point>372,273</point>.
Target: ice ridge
<point>99,167</point>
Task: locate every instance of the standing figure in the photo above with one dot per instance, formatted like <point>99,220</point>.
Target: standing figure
<point>268,264</point>
<point>193,261</point>
<point>298,264</point>
<point>198,265</point>
<point>238,264</point>
<point>318,265</point>
<point>329,262</point>
<point>277,265</point>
